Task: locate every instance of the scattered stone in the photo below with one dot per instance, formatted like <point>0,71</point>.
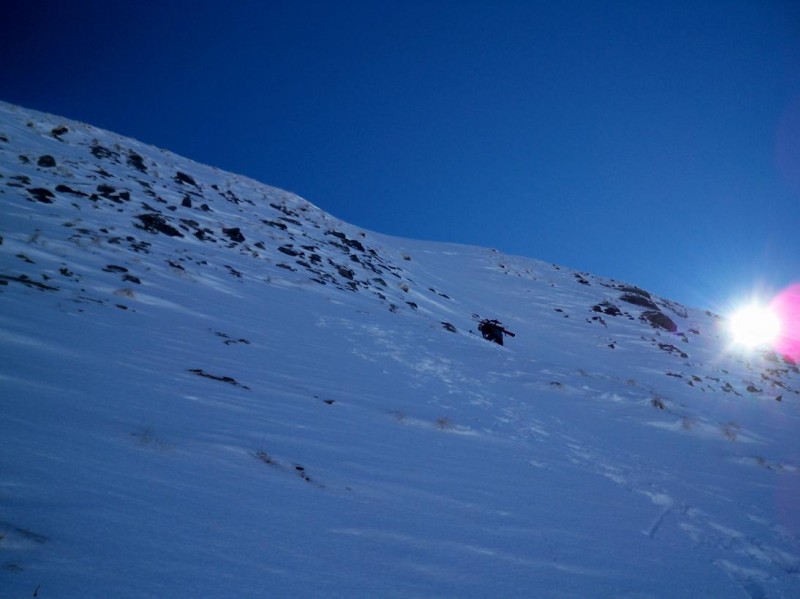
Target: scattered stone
<point>234,234</point>
<point>672,349</point>
<point>154,223</point>
<point>115,268</point>
<point>659,320</point>
<point>346,272</point>
<point>285,249</point>
<point>27,281</point>
<point>184,179</point>
<point>223,379</point>
<point>99,151</point>
<point>46,161</point>
<point>608,308</point>
<point>66,189</point>
<point>57,132</point>
<point>276,224</point>
<point>45,196</point>
<point>136,161</point>
<point>639,300</point>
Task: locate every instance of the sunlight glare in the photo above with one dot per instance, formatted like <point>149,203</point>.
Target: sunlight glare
<point>754,326</point>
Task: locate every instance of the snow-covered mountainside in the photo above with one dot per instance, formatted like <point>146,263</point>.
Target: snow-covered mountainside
<point>212,388</point>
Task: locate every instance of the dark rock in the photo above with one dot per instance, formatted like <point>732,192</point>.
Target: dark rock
<point>672,349</point>
<point>136,161</point>
<point>608,308</point>
<point>659,320</point>
<point>184,179</point>
<point>66,189</point>
<point>57,132</point>
<point>285,249</point>
<point>19,181</point>
<point>106,191</point>
<point>115,268</point>
<point>633,289</point>
<point>46,161</point>
<point>132,279</point>
<point>346,272</point>
<point>449,327</point>
<point>99,151</point>
<point>187,202</point>
<point>225,379</point>
<point>234,234</point>
<point>156,224</point>
<point>638,300</point>
<point>27,281</point>
<point>276,224</point>
<point>45,196</point>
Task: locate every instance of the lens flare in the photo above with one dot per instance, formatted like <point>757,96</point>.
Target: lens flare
<point>786,306</point>
<point>755,326</point>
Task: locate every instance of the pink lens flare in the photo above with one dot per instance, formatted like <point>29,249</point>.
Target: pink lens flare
<point>787,307</point>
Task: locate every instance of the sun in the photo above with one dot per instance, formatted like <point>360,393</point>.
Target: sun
<point>754,326</point>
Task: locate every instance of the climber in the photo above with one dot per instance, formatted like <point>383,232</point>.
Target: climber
<point>493,330</point>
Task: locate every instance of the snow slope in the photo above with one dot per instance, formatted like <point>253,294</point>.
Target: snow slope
<point>211,388</point>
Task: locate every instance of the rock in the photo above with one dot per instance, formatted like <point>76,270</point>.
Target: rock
<point>659,320</point>
<point>46,161</point>
<point>136,161</point>
<point>639,300</point>
<point>234,234</point>
<point>184,179</point>
<point>156,224</point>
<point>45,196</point>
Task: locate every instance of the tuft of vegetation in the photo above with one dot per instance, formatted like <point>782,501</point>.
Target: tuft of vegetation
<point>443,423</point>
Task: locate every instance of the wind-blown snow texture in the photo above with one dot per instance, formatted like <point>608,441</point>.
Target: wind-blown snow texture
<point>211,388</point>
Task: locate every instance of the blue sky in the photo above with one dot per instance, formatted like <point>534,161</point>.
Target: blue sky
<point>653,142</point>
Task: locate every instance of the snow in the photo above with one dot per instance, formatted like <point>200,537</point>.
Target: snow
<point>287,416</point>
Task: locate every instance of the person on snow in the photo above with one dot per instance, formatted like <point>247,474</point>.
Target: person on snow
<point>493,330</point>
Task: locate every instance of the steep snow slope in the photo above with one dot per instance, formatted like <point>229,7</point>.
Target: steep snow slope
<point>211,388</point>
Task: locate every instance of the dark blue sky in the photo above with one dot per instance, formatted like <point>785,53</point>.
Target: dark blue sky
<point>653,142</point>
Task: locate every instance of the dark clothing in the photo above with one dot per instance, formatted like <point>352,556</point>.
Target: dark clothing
<point>492,331</point>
